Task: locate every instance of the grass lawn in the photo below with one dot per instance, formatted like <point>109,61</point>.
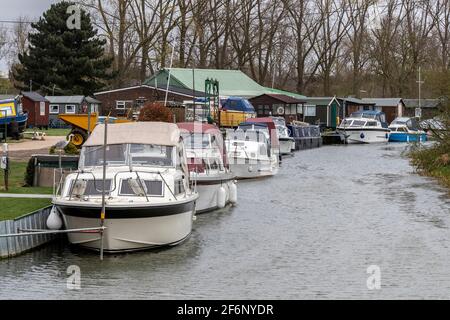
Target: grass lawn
<point>11,208</point>
<point>16,181</point>
<point>57,132</point>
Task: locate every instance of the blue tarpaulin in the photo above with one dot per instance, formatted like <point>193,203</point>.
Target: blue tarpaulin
<point>237,104</point>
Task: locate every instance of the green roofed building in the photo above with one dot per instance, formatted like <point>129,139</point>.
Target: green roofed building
<point>231,82</point>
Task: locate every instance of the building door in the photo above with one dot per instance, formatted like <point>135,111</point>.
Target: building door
<point>391,113</point>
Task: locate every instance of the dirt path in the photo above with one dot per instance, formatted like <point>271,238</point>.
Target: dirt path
<point>24,150</point>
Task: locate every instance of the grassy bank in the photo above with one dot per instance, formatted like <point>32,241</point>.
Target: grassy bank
<point>433,161</point>
<point>16,180</point>
<point>11,208</point>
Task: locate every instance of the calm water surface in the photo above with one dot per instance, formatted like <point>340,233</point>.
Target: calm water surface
<point>310,232</point>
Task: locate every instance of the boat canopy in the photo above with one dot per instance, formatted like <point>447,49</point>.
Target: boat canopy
<point>205,128</point>
<point>369,114</point>
<point>157,133</point>
<point>270,125</point>
<point>411,123</point>
<point>237,104</point>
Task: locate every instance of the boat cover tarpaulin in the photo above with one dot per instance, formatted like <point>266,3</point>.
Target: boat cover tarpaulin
<point>237,104</point>
<point>158,133</point>
<point>199,127</point>
<point>270,125</point>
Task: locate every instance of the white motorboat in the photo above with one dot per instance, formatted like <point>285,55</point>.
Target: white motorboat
<point>365,126</point>
<point>208,166</point>
<point>250,153</point>
<point>287,143</point>
<point>148,199</point>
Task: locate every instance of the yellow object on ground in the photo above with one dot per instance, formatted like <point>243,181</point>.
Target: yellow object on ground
<point>79,123</point>
<point>233,118</point>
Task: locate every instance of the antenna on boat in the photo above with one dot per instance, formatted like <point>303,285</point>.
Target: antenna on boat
<point>102,214</point>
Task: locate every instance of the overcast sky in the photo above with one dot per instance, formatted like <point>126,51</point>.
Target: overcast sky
<point>12,9</point>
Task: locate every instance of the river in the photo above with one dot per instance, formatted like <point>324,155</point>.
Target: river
<point>311,232</point>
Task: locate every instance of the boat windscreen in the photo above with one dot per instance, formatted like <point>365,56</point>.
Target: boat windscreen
<point>151,155</point>
<point>196,140</point>
<point>358,123</point>
<point>115,155</point>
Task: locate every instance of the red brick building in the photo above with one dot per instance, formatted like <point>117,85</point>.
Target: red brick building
<point>119,101</point>
<point>37,108</point>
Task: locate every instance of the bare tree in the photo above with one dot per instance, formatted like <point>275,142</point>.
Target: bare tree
<point>332,31</point>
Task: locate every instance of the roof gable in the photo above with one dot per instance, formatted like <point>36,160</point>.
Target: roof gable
<point>424,103</point>
<point>282,98</point>
<point>34,96</point>
<point>65,99</point>
<point>231,82</point>
<point>384,102</point>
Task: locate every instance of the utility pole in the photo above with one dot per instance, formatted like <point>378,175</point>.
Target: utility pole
<point>31,85</point>
<point>420,82</point>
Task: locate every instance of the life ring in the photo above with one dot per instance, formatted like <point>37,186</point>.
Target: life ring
<point>280,110</point>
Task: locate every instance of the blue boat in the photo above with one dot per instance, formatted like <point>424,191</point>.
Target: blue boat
<point>405,129</point>
<point>11,111</point>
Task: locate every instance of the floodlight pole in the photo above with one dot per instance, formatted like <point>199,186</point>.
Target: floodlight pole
<point>420,82</point>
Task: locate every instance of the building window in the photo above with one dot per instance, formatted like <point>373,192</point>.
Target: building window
<point>267,110</point>
<point>54,108</point>
<point>70,108</point>
<point>299,109</point>
<point>260,109</point>
<point>94,108</point>
<point>310,111</point>
<point>120,105</point>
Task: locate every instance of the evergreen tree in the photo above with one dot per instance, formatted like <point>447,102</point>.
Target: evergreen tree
<point>66,61</point>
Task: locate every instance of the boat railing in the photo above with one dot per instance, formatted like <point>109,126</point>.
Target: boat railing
<point>59,188</point>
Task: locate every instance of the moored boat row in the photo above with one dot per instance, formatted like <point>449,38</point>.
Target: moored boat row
<point>370,126</point>
<point>144,182</point>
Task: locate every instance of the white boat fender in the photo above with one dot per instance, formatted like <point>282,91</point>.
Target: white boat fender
<point>221,197</point>
<point>54,221</point>
<point>233,192</point>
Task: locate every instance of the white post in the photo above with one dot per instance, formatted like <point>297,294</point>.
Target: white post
<point>168,78</point>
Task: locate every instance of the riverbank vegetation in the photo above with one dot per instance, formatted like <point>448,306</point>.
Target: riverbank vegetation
<point>434,160</point>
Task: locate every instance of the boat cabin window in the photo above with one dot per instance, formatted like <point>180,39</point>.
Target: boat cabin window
<point>358,123</point>
<point>371,124</point>
<point>89,187</point>
<point>151,155</point>
<point>346,123</point>
<point>115,155</point>
<point>123,154</point>
<point>133,187</point>
<point>196,141</point>
<point>401,129</point>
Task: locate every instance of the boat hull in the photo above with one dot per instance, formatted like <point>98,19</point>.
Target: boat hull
<point>407,137</point>
<point>286,146</point>
<point>253,170</point>
<point>308,143</point>
<point>208,191</point>
<point>129,228</point>
<point>352,136</point>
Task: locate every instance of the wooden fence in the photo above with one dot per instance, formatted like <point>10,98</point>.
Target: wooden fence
<point>12,246</point>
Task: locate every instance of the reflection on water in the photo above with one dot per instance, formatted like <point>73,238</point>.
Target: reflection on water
<point>310,232</point>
